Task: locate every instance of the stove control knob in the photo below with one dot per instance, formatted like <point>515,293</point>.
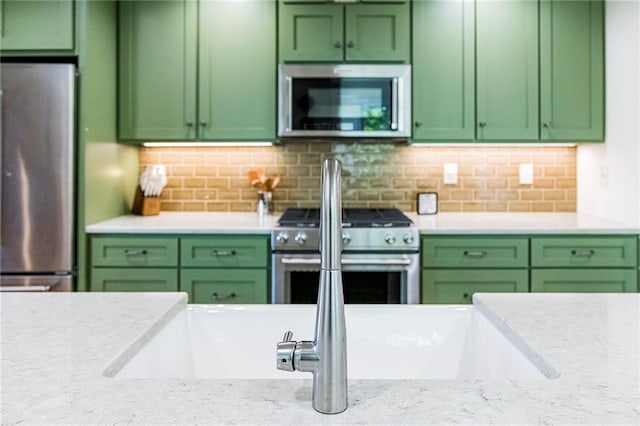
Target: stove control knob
<point>282,237</point>
<point>390,239</point>
<point>300,238</point>
<point>346,238</point>
<point>408,239</point>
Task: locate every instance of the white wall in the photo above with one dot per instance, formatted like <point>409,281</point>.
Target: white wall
<point>609,173</point>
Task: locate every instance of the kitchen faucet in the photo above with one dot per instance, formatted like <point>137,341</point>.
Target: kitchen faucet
<point>326,356</point>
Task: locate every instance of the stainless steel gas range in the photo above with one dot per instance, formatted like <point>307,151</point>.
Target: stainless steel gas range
<point>380,260</point>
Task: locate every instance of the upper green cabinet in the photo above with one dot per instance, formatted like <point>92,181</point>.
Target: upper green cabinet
<point>37,25</point>
<point>507,70</point>
<point>571,70</point>
<point>443,70</point>
<point>182,63</point>
<point>362,32</point>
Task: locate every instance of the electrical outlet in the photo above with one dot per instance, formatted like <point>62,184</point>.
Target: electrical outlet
<point>450,173</point>
<point>526,174</point>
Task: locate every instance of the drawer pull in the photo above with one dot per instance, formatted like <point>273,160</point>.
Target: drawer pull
<point>223,253</point>
<point>135,252</point>
<point>583,253</point>
<point>475,253</point>
<point>217,296</point>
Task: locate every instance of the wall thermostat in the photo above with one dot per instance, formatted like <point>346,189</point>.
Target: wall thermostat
<point>427,202</point>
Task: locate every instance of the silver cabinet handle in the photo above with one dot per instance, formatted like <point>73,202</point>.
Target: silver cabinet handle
<point>475,253</point>
<point>217,296</point>
<point>203,124</point>
<point>130,252</point>
<point>583,253</point>
<point>482,124</point>
<point>189,123</point>
<point>223,253</point>
<point>337,45</point>
<point>546,124</point>
<point>351,45</point>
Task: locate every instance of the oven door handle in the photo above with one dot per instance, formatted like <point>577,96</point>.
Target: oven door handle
<point>25,288</point>
<point>373,262</point>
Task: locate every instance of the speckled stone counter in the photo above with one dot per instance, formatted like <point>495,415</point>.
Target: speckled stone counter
<point>55,348</point>
<point>441,223</point>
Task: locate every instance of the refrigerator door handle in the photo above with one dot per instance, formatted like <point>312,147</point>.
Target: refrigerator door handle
<point>24,289</point>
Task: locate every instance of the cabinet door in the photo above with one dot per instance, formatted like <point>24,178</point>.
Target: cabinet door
<point>311,32</point>
<point>237,90</point>
<point>376,32</point>
<point>138,251</point>
<point>225,251</point>
<point>584,280</point>
<point>134,279</point>
<point>157,70</point>
<point>225,285</point>
<point>584,252</point>
<point>36,25</point>
<point>458,286</point>
<point>443,70</point>
<point>572,70</point>
<point>507,70</point>
<point>475,252</point>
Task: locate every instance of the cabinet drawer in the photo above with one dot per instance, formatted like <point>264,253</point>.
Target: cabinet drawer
<point>616,252</point>
<point>134,279</point>
<point>476,252</point>
<point>584,281</point>
<point>134,251</point>
<point>225,285</point>
<point>225,251</point>
<point>448,286</point>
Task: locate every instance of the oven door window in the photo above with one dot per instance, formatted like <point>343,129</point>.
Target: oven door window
<point>345,104</point>
<point>359,287</point>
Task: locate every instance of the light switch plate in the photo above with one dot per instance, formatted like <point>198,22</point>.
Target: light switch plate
<point>427,202</point>
<point>526,174</point>
<point>450,173</point>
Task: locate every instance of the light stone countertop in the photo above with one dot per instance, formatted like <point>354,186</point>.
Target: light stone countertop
<point>441,223</point>
<point>55,347</point>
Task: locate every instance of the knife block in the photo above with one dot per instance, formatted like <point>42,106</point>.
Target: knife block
<point>145,206</point>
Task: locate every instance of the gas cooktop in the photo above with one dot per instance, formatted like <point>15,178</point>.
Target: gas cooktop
<point>351,218</point>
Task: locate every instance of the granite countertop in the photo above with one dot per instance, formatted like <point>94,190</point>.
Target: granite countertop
<point>55,348</point>
<point>441,223</point>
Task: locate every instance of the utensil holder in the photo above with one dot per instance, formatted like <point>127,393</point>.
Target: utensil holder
<point>145,206</point>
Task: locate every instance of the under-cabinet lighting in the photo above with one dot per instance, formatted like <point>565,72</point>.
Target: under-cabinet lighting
<point>197,144</point>
<point>493,145</point>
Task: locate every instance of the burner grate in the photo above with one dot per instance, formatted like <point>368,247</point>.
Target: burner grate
<point>351,218</point>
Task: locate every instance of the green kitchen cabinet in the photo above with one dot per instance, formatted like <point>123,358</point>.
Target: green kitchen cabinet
<point>42,26</point>
<point>133,263</point>
<point>584,280</point>
<point>572,70</point>
<point>157,70</point>
<point>188,70</point>
<point>359,32</point>
<point>138,279</point>
<point>458,286</point>
<point>225,285</point>
<point>456,266</point>
<point>237,70</point>
<point>221,251</point>
<point>507,96</point>
<point>579,263</point>
<point>443,35</point>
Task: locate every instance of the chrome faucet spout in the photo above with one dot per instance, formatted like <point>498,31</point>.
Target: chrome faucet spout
<point>326,356</point>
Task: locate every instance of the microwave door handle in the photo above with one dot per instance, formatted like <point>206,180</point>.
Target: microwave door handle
<point>394,104</point>
<point>287,96</point>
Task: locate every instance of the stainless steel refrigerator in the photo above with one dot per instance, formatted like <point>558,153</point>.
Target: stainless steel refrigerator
<point>37,191</point>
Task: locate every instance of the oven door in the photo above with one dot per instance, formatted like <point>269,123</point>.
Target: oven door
<point>366,278</point>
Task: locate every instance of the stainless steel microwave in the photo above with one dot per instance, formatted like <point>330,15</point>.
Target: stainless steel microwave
<point>343,100</point>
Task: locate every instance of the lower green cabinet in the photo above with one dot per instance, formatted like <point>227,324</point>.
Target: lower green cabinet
<point>225,285</point>
<point>584,280</point>
<point>458,286</point>
<point>134,279</point>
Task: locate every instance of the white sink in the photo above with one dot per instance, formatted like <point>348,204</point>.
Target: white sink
<point>383,342</point>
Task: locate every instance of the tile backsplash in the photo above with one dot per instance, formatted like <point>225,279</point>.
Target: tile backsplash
<point>374,175</point>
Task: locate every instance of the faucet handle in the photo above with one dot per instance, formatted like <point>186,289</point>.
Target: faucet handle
<point>284,354</point>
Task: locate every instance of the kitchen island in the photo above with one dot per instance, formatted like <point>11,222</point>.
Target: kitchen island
<point>56,347</point>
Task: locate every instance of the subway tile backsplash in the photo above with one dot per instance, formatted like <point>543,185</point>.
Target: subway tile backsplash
<point>374,175</point>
